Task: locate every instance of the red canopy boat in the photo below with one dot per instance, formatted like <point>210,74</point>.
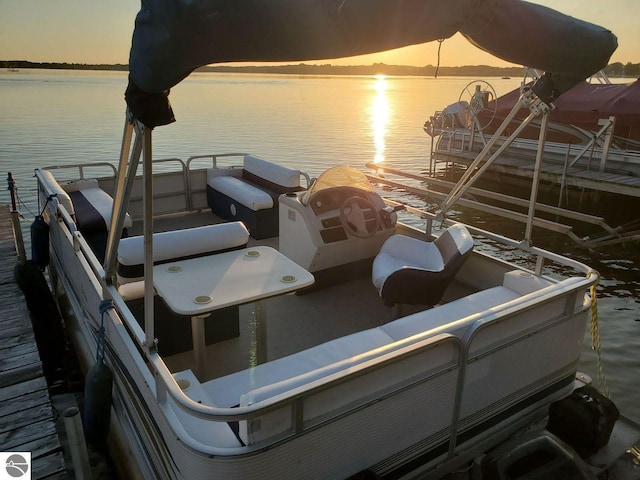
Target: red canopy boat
<point>581,107</point>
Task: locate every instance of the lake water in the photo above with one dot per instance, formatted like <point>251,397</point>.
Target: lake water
<point>312,122</point>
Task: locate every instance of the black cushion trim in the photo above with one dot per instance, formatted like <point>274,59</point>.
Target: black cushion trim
<point>137,270</point>
<point>421,287</point>
<point>273,189</point>
<point>88,218</point>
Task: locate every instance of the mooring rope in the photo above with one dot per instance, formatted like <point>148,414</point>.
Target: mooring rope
<point>15,187</point>
<point>440,41</point>
<point>104,306</point>
<point>595,342</point>
<point>47,203</point>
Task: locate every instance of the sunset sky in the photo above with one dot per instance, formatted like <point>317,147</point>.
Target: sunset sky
<point>81,31</point>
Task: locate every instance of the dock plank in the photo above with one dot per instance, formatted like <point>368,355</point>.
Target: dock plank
<point>15,439</point>
<point>53,467</point>
<point>24,403</point>
<point>22,388</point>
<point>42,446</point>
<point>11,335</point>
<point>14,421</point>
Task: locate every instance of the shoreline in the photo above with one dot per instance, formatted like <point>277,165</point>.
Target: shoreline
<point>307,69</point>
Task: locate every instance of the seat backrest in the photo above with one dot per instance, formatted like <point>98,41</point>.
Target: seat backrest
<point>454,242</point>
<point>418,286</point>
<point>178,244</point>
<point>274,177</point>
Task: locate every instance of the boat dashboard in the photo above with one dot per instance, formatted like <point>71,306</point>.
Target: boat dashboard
<point>340,219</point>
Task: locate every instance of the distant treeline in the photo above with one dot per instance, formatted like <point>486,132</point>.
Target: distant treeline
<point>18,64</point>
<point>629,70</point>
<point>375,69</point>
<point>615,69</point>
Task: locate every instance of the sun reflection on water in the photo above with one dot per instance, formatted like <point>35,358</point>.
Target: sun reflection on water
<point>380,117</point>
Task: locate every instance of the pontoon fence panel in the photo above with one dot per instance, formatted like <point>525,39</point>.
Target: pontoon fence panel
<point>352,389</point>
<point>496,377</point>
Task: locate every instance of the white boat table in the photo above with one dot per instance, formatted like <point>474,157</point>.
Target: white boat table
<point>198,286</point>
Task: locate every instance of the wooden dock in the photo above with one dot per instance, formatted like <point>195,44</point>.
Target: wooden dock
<point>554,173</point>
<point>26,414</point>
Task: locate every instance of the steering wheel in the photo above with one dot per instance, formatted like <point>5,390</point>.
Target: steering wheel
<point>479,94</point>
<point>352,216</point>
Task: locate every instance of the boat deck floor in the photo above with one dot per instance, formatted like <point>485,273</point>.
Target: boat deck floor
<point>294,321</point>
<point>299,321</point>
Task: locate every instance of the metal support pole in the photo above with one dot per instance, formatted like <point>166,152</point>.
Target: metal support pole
<point>261,331</point>
<point>15,222</point>
<point>150,341</point>
<point>528,99</point>
<point>591,144</point>
<point>536,178</point>
<point>610,123</point>
<point>127,170</point>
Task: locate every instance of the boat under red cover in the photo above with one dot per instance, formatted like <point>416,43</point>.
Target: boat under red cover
<point>581,107</point>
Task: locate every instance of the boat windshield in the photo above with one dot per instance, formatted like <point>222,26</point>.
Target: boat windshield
<point>341,176</point>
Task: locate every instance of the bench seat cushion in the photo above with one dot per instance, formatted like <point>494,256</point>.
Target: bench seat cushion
<point>250,194</point>
<point>243,192</point>
<point>92,211</point>
<point>173,331</point>
<point>226,391</point>
<point>207,433</point>
<point>276,178</point>
<point>462,312</point>
<point>54,188</point>
<point>93,207</point>
<point>176,244</point>
<point>262,223</point>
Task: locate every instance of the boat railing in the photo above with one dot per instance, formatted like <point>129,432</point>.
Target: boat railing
<point>296,402</point>
<point>167,388</point>
<point>196,176</point>
<point>79,171</point>
<point>450,137</point>
<point>541,256</point>
<point>170,189</point>
<point>213,158</point>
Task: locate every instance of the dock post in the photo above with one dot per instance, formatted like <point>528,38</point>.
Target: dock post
<point>77,445</point>
<point>15,221</point>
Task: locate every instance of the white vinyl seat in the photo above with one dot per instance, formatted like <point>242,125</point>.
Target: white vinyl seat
<point>414,272</point>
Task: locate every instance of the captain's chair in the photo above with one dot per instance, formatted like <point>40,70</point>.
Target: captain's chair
<point>414,272</point>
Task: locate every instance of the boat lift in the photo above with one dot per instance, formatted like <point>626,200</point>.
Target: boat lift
<point>458,193</point>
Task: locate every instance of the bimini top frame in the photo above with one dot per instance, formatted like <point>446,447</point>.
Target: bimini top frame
<point>127,169</point>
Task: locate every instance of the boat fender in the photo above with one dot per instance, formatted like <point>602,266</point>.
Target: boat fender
<point>97,393</point>
<point>40,242</point>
